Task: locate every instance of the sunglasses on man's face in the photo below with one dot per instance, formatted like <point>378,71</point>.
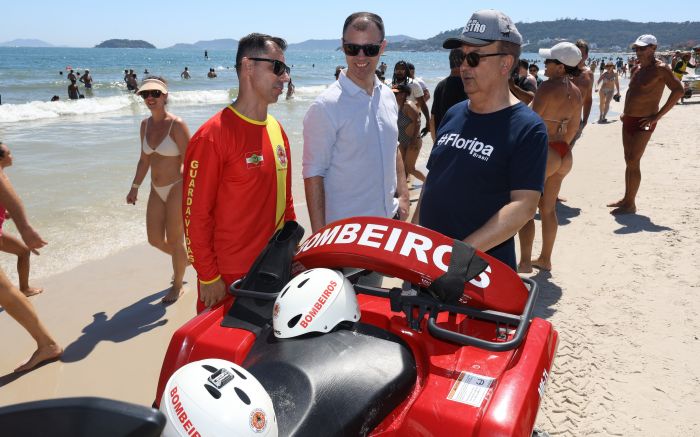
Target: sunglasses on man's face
<point>278,67</point>
<point>153,93</point>
<point>473,58</point>
<point>370,50</point>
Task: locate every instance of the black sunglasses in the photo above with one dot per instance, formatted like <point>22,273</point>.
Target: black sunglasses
<point>473,58</point>
<point>153,93</point>
<point>278,67</point>
<point>370,50</point>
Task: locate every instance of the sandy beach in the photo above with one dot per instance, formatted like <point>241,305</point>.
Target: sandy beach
<point>623,294</point>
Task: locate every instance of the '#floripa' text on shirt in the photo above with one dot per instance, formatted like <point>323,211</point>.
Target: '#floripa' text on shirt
<point>473,146</point>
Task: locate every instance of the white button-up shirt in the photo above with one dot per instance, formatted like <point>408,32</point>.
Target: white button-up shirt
<point>350,139</point>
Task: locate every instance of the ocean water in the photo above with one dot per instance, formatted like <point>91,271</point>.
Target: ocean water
<point>74,160</point>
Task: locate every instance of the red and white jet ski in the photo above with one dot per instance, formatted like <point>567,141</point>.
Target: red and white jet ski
<point>455,353</point>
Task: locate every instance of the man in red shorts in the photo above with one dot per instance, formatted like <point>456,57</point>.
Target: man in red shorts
<point>641,114</point>
<point>237,174</point>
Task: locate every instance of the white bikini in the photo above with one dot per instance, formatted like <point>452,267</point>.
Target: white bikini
<point>167,147</point>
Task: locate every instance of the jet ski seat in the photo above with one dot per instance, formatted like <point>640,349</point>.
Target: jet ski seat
<point>341,383</point>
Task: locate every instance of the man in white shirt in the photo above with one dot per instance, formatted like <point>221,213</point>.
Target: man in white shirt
<point>351,162</point>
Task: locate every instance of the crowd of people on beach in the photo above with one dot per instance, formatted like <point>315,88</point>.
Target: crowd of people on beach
<point>216,197</point>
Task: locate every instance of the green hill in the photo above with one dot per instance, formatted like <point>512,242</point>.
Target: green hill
<point>125,44</point>
<point>610,35</point>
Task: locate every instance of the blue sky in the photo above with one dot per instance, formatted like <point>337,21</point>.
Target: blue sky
<point>81,23</point>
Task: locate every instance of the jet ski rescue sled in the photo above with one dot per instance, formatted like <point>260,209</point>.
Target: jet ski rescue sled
<point>454,351</point>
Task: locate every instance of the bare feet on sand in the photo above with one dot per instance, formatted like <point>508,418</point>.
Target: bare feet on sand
<point>622,208</point>
<point>43,354</point>
<point>524,267</point>
<point>173,295</point>
<point>541,264</point>
<point>616,204</point>
<point>31,291</point>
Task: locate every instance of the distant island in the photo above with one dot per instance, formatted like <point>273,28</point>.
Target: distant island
<point>25,43</point>
<point>311,44</point>
<point>609,35</point>
<point>125,44</point>
<point>214,44</point>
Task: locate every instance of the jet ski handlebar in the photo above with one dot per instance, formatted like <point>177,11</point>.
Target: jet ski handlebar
<point>408,301</point>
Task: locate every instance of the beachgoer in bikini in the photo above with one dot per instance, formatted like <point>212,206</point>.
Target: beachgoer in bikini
<point>12,300</point>
<point>607,90</point>
<point>409,124</point>
<point>164,138</point>
<point>558,101</point>
<point>641,113</point>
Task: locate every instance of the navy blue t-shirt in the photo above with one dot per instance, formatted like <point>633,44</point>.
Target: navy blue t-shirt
<point>477,160</point>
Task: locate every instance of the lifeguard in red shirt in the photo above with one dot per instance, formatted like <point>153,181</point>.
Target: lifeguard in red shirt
<point>237,186</point>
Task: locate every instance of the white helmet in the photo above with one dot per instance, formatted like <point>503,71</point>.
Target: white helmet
<point>216,397</point>
<point>314,301</point>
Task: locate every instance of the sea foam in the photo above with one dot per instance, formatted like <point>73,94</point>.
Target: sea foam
<point>38,110</point>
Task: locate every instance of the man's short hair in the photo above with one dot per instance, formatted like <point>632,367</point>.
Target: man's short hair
<point>255,44</point>
<point>513,49</point>
<point>531,66</point>
<point>523,64</point>
<point>582,45</point>
<point>410,66</point>
<point>456,58</point>
<point>360,21</point>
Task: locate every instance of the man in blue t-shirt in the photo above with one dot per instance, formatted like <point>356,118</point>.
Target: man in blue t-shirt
<point>487,166</point>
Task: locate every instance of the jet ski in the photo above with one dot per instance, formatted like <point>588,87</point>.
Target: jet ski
<point>451,349</point>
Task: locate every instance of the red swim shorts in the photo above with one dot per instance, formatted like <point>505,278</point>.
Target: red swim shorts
<point>562,147</point>
<point>632,125</point>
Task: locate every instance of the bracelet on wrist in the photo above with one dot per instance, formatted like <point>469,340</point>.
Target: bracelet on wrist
<point>135,186</point>
<point>210,281</point>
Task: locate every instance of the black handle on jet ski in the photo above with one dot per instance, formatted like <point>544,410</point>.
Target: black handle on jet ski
<point>239,292</point>
<point>493,346</point>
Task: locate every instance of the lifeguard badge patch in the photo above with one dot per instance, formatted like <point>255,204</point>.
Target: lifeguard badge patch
<point>254,159</point>
<point>282,156</point>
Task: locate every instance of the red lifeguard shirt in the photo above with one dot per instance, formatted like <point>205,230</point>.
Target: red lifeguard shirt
<point>236,192</point>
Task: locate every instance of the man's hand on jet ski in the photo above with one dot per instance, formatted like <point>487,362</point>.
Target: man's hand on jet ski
<point>213,293</point>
